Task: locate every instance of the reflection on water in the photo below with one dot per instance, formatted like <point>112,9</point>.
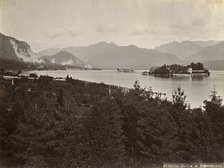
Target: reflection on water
<point>197,78</point>
<point>197,88</point>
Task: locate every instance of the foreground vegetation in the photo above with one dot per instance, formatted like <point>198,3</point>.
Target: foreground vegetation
<point>46,123</point>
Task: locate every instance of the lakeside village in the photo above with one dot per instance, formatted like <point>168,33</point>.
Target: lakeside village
<point>175,70</point>
<point>17,74</point>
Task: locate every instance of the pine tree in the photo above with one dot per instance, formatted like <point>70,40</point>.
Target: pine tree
<point>60,101</point>
<point>214,112</point>
<point>105,136</point>
<point>179,98</point>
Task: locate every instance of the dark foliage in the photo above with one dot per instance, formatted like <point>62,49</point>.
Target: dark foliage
<point>197,66</point>
<point>48,123</point>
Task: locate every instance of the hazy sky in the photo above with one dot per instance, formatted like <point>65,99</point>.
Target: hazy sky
<point>145,23</point>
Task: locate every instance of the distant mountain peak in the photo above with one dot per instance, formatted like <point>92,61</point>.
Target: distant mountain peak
<point>65,58</point>
<point>132,46</point>
<point>184,49</point>
<point>102,43</point>
<point>112,43</point>
<point>64,52</point>
<point>210,53</point>
<point>105,44</point>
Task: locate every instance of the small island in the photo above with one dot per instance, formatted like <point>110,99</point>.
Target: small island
<point>194,69</point>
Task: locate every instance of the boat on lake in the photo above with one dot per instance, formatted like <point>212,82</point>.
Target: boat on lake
<point>125,70</point>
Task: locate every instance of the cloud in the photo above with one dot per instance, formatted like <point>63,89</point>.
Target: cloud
<point>7,3</point>
<point>73,32</point>
<point>62,32</point>
<point>192,28</point>
<point>214,2</point>
<point>59,32</point>
<point>107,28</point>
<point>140,30</point>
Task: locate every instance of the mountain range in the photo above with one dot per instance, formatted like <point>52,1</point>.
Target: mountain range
<point>110,55</point>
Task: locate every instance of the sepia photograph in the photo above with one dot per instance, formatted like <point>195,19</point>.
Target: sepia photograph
<point>111,83</point>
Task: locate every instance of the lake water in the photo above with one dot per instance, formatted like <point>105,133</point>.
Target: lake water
<point>197,89</point>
